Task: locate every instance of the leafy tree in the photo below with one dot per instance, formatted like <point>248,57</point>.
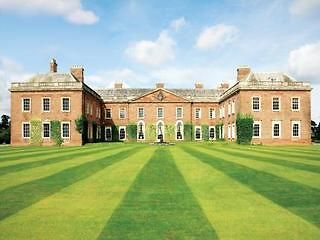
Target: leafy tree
<point>5,129</point>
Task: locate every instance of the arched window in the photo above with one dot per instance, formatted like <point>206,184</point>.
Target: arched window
<point>160,131</point>
<point>179,130</point>
<point>140,130</point>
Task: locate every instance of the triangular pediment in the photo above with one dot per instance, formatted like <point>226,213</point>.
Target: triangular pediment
<point>160,95</point>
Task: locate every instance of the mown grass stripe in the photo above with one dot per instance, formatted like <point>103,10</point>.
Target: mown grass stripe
<point>233,208</point>
<point>17,178</point>
<point>297,198</point>
<point>267,158</point>
<point>159,205</point>
<point>61,156</point>
<point>78,211</point>
<point>19,197</point>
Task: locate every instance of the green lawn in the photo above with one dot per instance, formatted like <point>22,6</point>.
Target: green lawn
<point>139,191</point>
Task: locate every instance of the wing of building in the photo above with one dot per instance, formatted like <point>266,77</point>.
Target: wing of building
<point>60,106</point>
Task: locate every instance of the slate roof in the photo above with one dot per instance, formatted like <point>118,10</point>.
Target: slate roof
<point>53,77</point>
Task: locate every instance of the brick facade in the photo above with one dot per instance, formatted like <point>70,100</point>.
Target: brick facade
<point>197,108</point>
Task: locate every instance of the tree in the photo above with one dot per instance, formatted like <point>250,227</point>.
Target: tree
<point>5,129</point>
<point>313,129</point>
<point>5,121</point>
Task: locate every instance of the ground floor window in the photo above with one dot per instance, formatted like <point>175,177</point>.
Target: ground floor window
<point>295,128</point>
<point>229,131</point>
<point>46,130</point>
<point>276,129</point>
<point>233,131</point>
<point>65,130</point>
<point>212,132</point>
<point>179,130</point>
<point>26,130</point>
<point>256,129</point>
<point>108,134</point>
<point>197,133</point>
<point>160,131</point>
<point>140,131</point>
<point>122,133</point>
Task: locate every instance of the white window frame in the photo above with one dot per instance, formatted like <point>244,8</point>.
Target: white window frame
<point>22,130</point>
<point>199,112</point>
<point>177,117</point>
<point>276,110</point>
<point>125,133</point>
<point>195,133</point>
<point>65,122</point>
<point>62,104</point>
<point>214,129</point>
<point>162,117</point>
<point>252,104</point>
<point>182,130</point>
<point>273,123</point>
<point>105,113</point>
<point>138,113</point>
<point>212,113</point>
<point>143,130</point>
<point>299,104</point>
<point>42,105</point>
<point>98,132</point>
<point>43,130</point>
<point>105,133</point>
<point>299,132</point>
<point>22,104</point>
<point>233,131</point>
<point>229,131</point>
<point>124,111</point>
<point>260,125</point>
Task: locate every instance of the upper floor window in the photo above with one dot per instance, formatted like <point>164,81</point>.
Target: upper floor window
<point>46,104</point>
<point>26,130</point>
<point>295,104</point>
<point>233,107</point>
<point>108,113</point>
<point>98,112</point>
<point>122,113</point>
<point>46,130</point>
<point>179,112</point>
<point>212,113</point>
<point>65,104</point>
<point>26,104</point>
<point>198,113</point>
<point>140,112</point>
<point>276,104</point>
<point>256,103</point>
<point>160,113</point>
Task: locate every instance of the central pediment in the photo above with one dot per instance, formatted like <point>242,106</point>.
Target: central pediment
<point>160,96</point>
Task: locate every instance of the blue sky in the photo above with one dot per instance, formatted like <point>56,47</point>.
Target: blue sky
<point>178,42</point>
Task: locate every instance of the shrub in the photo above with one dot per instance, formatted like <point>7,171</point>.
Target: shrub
<point>82,127</point>
<point>36,132</point>
<point>55,131</point>
<point>132,132</point>
<point>244,128</point>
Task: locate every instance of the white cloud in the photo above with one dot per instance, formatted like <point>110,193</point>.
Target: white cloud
<point>217,35</point>
<point>152,53</point>
<point>71,10</point>
<point>10,71</point>
<point>178,23</point>
<point>304,7</point>
<point>304,62</point>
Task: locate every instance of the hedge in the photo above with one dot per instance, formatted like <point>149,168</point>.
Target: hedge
<point>55,131</point>
<point>244,128</point>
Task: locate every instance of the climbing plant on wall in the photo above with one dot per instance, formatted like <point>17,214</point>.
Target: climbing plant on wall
<point>55,131</point>
<point>244,128</point>
<point>115,133</point>
<point>218,131</point>
<point>94,131</point>
<point>36,132</point>
<point>132,132</point>
<point>205,132</point>
<point>150,133</point>
<point>187,128</point>
<point>169,130</point>
<point>82,127</point>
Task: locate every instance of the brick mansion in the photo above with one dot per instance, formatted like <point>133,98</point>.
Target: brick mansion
<point>279,104</point>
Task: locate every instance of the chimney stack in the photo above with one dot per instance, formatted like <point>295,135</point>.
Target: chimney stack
<point>198,86</point>
<point>223,87</point>
<point>77,72</point>
<point>243,72</point>
<point>159,85</point>
<point>118,85</point>
<point>53,66</point>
